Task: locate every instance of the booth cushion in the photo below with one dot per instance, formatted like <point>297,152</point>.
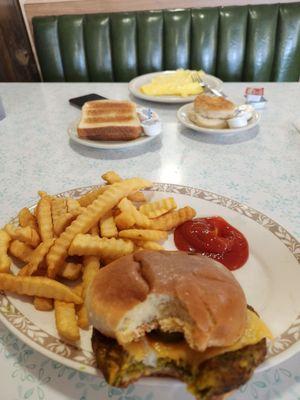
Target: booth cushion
<point>238,43</point>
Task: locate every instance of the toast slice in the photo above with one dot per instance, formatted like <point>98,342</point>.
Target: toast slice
<point>109,120</point>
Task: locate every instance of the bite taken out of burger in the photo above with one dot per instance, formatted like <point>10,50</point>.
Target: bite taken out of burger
<point>176,314</point>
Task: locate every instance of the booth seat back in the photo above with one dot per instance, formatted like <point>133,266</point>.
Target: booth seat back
<point>239,43</point>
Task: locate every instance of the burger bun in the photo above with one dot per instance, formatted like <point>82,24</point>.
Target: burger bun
<point>172,291</point>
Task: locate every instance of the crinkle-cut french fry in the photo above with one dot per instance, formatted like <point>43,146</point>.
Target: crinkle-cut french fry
<point>173,219</point>
<point>65,319</point>
<point>5,261</point>
<point>147,244</point>
<point>137,196</point>
<point>92,195</point>
<point>158,208</point>
<point>43,304</point>
<point>88,218</point>
<point>112,177</point>
<point>58,207</point>
<point>78,290</point>
<point>125,205</point>
<point>141,220</point>
<point>38,286</point>
<point>83,318</point>
<point>61,223</point>
<point>76,211</point>
<point>94,230</point>
<point>108,227</point>
<point>27,219</point>
<point>70,271</point>
<point>143,234</point>
<point>36,257</point>
<point>42,194</point>
<point>124,220</point>
<point>20,250</point>
<point>63,212</point>
<point>24,270</point>
<point>73,207</point>
<point>91,265</point>
<point>26,235</point>
<point>44,218</point>
<point>102,247</point>
<point>72,204</point>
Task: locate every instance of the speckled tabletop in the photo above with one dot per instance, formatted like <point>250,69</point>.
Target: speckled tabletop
<point>260,168</point>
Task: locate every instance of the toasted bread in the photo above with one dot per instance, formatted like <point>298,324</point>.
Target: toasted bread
<point>109,120</point>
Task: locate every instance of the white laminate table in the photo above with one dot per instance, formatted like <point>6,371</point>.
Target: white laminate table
<point>261,169</point>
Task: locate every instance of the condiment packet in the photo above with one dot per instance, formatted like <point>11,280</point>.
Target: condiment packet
<point>254,94</point>
<point>255,97</point>
<point>150,121</point>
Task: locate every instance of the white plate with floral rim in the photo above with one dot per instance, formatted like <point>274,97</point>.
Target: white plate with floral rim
<point>135,85</point>
<point>183,117</point>
<point>270,279</point>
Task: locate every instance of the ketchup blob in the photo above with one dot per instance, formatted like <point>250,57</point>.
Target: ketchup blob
<point>213,237</point>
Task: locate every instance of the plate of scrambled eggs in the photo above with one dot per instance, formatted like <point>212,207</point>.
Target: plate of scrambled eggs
<point>170,86</point>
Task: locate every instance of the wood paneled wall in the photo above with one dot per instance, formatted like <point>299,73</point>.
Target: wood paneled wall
<point>59,7</point>
<point>16,59</point>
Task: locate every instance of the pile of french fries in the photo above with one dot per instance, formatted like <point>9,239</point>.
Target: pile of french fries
<point>64,242</point>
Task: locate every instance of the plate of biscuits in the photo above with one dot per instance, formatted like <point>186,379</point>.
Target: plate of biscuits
<point>114,124</point>
<point>217,115</point>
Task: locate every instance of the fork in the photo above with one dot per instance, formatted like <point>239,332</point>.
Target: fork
<point>197,78</point>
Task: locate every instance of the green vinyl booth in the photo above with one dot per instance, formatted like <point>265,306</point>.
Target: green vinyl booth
<point>235,43</point>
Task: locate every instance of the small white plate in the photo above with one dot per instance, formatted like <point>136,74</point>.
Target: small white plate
<point>106,144</point>
<point>136,83</point>
<point>183,117</point>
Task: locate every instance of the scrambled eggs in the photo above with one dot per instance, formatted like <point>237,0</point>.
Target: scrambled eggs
<point>179,83</point>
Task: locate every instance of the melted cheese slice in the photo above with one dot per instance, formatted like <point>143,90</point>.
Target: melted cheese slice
<point>149,350</point>
<point>180,83</point>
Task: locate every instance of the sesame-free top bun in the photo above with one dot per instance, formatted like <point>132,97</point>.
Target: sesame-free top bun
<point>168,290</point>
<point>214,107</point>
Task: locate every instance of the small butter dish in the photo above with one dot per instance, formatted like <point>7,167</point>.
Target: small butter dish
<point>151,128</point>
<point>150,121</point>
<point>246,109</point>
<point>238,122</point>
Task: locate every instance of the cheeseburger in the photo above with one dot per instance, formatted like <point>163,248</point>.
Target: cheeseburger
<point>176,314</point>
